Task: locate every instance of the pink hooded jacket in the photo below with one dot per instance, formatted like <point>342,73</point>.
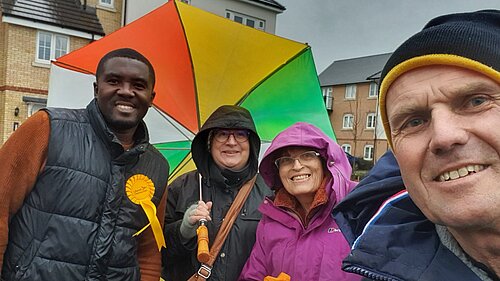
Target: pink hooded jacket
<point>282,243</point>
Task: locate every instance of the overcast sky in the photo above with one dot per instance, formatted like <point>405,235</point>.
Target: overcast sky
<point>341,29</point>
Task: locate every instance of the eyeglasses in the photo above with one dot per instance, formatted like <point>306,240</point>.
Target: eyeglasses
<point>239,135</point>
<point>288,162</point>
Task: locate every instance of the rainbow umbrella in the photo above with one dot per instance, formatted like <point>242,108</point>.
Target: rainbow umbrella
<point>203,61</point>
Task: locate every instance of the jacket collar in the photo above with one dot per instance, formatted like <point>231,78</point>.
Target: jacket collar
<point>288,201</point>
<point>323,202</point>
<point>358,207</point>
<point>390,237</point>
<point>400,243</point>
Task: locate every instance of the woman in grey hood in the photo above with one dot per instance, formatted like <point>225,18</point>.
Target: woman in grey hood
<point>225,152</point>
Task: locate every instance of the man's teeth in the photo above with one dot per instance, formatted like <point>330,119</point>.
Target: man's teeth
<point>460,173</point>
<point>126,107</point>
<point>301,177</point>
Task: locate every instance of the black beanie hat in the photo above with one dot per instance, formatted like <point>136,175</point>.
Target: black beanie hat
<point>467,40</point>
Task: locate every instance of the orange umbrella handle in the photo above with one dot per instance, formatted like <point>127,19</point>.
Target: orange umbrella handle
<point>203,252</point>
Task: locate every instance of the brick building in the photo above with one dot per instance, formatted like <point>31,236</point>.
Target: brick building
<point>350,91</point>
<point>32,33</point>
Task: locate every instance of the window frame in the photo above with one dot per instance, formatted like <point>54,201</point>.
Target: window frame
<point>350,92</point>
<point>52,47</point>
<point>373,121</point>
<point>368,149</point>
<point>109,5</point>
<point>344,127</point>
<point>33,107</point>
<point>373,91</point>
<point>345,147</point>
<point>328,97</point>
<point>259,24</point>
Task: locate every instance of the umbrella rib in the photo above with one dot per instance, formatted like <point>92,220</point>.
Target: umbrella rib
<point>72,67</point>
<point>173,124</point>
<point>172,148</point>
<point>198,114</point>
<point>243,98</point>
<point>181,166</point>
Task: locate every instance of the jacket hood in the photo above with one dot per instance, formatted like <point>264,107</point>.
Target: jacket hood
<point>354,212</point>
<point>305,134</point>
<point>225,117</point>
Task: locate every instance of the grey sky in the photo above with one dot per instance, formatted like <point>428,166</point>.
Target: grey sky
<point>341,29</point>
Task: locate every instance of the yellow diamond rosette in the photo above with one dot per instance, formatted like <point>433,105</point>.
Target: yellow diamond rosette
<point>140,190</point>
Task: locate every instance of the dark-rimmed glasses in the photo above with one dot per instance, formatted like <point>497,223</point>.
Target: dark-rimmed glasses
<point>304,158</point>
<point>239,135</point>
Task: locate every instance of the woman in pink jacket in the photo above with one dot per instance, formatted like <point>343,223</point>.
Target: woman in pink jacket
<point>297,234</point>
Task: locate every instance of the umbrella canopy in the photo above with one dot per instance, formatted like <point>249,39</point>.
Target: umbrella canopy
<point>202,61</point>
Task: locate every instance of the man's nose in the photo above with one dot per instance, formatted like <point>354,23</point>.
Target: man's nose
<point>448,130</point>
<point>125,89</point>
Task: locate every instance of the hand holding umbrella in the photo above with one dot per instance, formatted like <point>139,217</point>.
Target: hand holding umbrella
<point>196,213</point>
<point>202,232</point>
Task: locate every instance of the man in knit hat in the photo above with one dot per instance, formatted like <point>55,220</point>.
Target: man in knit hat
<point>439,218</point>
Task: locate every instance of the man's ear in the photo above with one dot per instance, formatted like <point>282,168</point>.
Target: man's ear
<point>95,89</point>
<point>153,95</point>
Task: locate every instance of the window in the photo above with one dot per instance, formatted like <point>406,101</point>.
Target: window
<point>348,121</point>
<point>370,121</point>
<point>346,148</point>
<point>51,46</point>
<point>328,97</point>
<point>34,104</point>
<point>107,3</point>
<point>350,92</point>
<point>246,20</point>
<point>373,90</point>
<point>34,107</point>
<point>368,153</point>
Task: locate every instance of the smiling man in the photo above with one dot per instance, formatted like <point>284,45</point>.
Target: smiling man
<point>226,154</point>
<point>124,93</point>
<point>440,106</point>
<point>73,182</point>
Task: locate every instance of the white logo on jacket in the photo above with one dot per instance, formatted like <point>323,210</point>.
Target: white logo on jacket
<point>333,229</point>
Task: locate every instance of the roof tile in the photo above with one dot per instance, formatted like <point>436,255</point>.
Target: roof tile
<point>271,3</point>
<point>62,13</point>
<point>355,70</point>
